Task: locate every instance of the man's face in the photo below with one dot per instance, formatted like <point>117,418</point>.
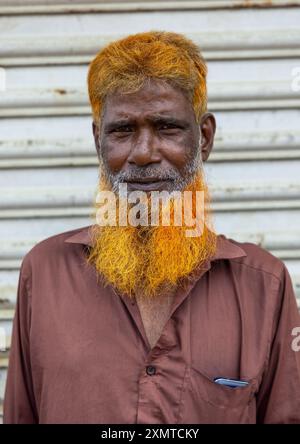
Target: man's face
<point>151,140</point>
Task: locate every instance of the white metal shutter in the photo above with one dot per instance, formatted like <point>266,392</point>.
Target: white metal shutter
<point>48,164</point>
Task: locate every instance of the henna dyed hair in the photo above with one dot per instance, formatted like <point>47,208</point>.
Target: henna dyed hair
<point>124,65</point>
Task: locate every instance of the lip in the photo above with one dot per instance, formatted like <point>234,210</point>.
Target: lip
<point>148,185</point>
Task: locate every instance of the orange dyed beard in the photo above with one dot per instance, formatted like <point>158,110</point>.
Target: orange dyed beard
<point>152,260</point>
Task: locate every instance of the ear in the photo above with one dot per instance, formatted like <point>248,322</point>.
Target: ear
<point>96,133</point>
<point>207,133</point>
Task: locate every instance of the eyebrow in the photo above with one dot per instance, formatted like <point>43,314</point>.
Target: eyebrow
<point>116,124</point>
<point>110,126</point>
<point>170,120</point>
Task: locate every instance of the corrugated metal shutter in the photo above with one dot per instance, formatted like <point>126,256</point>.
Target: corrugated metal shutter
<point>47,159</point>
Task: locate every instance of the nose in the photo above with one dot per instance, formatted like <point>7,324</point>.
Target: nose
<point>144,151</point>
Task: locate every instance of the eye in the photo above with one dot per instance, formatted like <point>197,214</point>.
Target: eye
<point>168,126</point>
<point>123,129</point>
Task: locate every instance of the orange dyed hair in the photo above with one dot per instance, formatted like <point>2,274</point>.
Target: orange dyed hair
<point>125,64</point>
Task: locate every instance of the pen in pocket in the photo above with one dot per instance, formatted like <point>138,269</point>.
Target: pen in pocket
<point>231,382</point>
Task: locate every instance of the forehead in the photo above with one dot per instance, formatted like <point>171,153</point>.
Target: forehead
<point>153,97</point>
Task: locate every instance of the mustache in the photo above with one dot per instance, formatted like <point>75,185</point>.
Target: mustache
<point>139,173</point>
<point>177,180</point>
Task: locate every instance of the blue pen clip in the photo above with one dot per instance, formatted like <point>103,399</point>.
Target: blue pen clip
<point>233,383</point>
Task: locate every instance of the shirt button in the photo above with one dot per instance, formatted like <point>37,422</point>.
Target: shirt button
<point>150,370</point>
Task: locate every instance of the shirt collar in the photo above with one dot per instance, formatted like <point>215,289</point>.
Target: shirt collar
<point>226,248</point>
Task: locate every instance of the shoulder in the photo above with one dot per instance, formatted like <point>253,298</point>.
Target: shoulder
<point>261,274</point>
<point>259,259</point>
<point>53,247</point>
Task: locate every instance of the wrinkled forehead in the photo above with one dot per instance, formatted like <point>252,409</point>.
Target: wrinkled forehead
<point>154,97</point>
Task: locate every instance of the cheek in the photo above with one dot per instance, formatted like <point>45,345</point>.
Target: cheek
<point>178,155</point>
<point>115,156</point>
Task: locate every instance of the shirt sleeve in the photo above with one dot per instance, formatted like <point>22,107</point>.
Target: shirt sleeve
<point>278,400</point>
<point>19,405</point>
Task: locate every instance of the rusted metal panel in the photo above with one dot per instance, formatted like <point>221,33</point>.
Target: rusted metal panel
<point>48,163</point>
<point>68,6</point>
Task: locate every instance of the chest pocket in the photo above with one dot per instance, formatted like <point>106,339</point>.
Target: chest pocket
<point>205,401</point>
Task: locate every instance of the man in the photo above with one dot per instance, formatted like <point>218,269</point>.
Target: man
<point>129,323</point>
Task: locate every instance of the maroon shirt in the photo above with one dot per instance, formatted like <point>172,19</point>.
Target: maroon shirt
<point>80,354</point>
